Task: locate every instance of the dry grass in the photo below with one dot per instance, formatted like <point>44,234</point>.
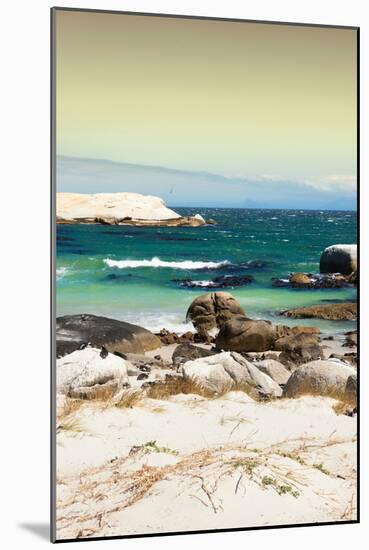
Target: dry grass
<point>70,406</point>
<point>130,398</point>
<point>178,385</point>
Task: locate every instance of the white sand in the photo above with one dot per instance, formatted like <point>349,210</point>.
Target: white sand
<point>197,475</point>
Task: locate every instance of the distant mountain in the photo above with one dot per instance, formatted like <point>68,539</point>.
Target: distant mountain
<point>187,188</point>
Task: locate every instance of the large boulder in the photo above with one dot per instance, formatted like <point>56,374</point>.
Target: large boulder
<point>275,369</point>
<point>319,378</point>
<point>298,349</point>
<point>332,312</point>
<point>351,389</point>
<point>90,373</point>
<point>212,310</point>
<point>339,258</point>
<point>75,331</point>
<point>226,370</point>
<point>245,335</point>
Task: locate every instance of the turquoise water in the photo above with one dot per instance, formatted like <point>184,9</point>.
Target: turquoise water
<point>132,273</point>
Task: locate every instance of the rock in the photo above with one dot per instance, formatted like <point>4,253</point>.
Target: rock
<point>323,377</point>
<point>352,278</point>
<point>210,221</point>
<point>274,369</point>
<point>119,209</point>
<point>350,394</point>
<point>212,310</point>
<point>300,279</point>
<point>314,281</point>
<point>84,374</point>
<point>188,352</point>
<point>339,258</point>
<point>351,339</point>
<point>74,331</point>
<point>332,312</point>
<point>226,370</point>
<point>223,281</point>
<point>245,335</point>
<point>290,343</point>
<point>298,349</point>
<point>300,355</point>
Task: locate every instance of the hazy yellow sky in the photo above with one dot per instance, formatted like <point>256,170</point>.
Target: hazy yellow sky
<point>236,99</point>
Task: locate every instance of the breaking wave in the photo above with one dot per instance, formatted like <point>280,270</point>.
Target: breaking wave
<point>157,262</point>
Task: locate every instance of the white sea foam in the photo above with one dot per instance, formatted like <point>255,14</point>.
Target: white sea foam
<point>61,272</point>
<point>157,262</point>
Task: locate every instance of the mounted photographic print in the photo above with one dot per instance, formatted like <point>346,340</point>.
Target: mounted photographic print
<point>204,311</point>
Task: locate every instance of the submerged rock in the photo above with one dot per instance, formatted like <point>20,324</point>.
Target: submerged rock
<point>223,281</point>
<point>75,331</point>
<point>339,258</point>
<point>319,378</point>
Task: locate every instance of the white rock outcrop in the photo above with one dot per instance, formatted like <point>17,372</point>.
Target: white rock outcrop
<point>77,206</point>
<point>228,369</point>
<point>85,374</point>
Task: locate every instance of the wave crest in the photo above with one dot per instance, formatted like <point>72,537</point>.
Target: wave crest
<point>157,262</point>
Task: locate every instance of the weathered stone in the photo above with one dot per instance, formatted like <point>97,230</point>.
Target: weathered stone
<point>212,310</point>
<point>85,374</point>
<point>76,331</point>
<point>327,377</point>
<point>245,335</point>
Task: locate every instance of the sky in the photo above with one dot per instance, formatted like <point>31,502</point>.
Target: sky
<point>235,113</point>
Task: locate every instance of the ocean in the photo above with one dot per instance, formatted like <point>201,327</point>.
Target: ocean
<point>135,273</point>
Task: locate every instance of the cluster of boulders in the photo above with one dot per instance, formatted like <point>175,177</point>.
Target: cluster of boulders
<point>338,268</point>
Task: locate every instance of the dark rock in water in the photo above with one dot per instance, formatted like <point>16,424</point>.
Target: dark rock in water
<point>333,312</point>
<point>339,258</point>
<point>223,281</point>
<point>212,310</point>
<point>312,281</point>
<point>116,336</point>
<point>167,338</point>
<point>210,221</point>
<point>245,335</point>
<point>188,352</point>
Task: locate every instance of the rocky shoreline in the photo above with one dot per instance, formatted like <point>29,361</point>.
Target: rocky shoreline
<point>235,417</point>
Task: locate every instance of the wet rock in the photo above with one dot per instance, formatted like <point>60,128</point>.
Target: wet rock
<point>351,339</point>
<point>223,281</point>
